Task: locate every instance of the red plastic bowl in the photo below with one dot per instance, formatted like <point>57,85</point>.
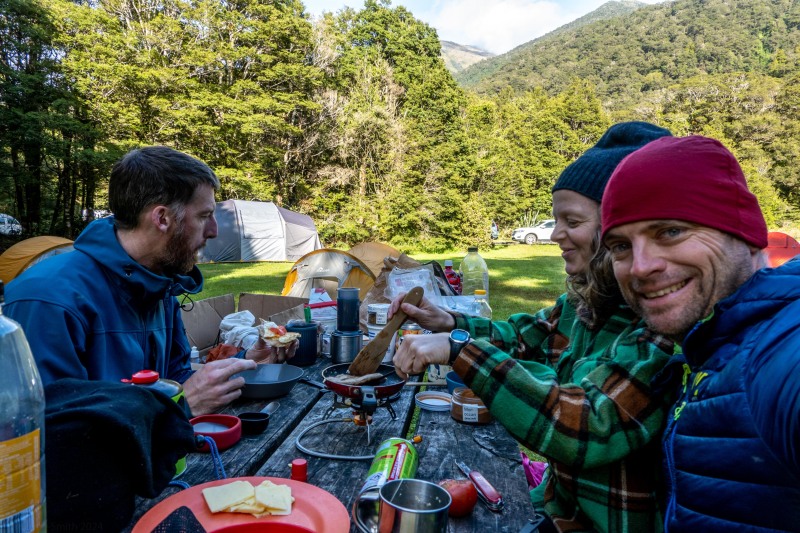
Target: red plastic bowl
<point>224,438</point>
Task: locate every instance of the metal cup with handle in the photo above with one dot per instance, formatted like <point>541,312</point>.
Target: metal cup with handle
<point>413,506</point>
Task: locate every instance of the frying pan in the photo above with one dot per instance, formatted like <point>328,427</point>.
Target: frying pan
<point>365,394</point>
<point>269,381</point>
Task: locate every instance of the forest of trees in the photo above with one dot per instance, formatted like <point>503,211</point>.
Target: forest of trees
<point>353,118</point>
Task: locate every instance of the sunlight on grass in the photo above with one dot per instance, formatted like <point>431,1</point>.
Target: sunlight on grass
<point>522,278</point>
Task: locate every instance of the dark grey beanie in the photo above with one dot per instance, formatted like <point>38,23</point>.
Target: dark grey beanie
<point>589,174</point>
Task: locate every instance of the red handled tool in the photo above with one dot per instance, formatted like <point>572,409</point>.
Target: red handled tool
<point>487,493</point>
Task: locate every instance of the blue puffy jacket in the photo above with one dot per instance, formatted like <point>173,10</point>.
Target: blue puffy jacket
<point>732,445</point>
<point>97,314</point>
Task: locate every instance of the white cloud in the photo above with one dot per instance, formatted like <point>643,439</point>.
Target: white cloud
<point>494,25</point>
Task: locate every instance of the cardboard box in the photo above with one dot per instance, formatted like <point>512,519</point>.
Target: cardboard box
<point>203,318</point>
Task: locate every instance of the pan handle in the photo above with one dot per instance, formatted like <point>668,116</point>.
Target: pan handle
<point>368,399</point>
<point>313,383</point>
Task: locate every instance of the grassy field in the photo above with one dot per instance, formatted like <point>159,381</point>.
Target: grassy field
<point>521,277</point>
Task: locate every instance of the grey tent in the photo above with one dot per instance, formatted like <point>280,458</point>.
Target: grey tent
<point>260,231</point>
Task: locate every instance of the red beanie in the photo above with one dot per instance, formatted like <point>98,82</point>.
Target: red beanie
<point>695,179</point>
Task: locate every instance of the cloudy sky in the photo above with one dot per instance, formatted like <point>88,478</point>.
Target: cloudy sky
<point>493,25</point>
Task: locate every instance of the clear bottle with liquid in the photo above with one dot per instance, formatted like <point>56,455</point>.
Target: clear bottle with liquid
<point>22,500</point>
<point>474,272</point>
<point>482,307</point>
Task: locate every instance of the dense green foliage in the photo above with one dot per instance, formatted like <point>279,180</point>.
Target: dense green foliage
<point>354,119</point>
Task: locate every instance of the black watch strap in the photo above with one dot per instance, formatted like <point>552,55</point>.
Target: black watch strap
<point>458,339</point>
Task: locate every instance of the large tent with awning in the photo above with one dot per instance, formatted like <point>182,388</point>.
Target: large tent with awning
<point>260,231</point>
<point>27,253</point>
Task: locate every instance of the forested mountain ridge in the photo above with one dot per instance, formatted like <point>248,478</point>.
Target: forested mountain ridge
<point>651,48</point>
<point>472,76</point>
<point>354,119</point>
<point>457,57</point>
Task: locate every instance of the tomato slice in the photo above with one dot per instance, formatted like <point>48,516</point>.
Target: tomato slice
<point>278,330</point>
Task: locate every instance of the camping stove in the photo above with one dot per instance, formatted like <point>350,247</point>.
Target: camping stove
<point>363,410</point>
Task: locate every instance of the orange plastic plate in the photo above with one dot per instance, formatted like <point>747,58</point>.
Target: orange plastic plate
<point>313,509</point>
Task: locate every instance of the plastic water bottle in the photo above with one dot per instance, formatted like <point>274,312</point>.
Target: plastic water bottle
<point>474,272</point>
<point>452,276</point>
<point>194,356</point>
<point>482,307</point>
<point>22,500</point>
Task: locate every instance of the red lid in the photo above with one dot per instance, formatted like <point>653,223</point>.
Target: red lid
<point>299,470</point>
<point>145,376</point>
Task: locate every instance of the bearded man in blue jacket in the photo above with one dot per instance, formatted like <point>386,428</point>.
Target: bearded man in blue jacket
<point>110,309</point>
<point>686,238</point>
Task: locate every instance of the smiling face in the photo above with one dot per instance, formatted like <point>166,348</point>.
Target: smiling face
<point>190,232</point>
<point>577,227</point>
<point>672,272</point>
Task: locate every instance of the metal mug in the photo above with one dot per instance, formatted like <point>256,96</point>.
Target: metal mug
<point>413,506</point>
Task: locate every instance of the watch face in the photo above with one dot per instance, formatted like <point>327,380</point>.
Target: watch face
<point>459,335</point>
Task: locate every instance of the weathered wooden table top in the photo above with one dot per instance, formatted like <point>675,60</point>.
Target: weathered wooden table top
<point>486,448</point>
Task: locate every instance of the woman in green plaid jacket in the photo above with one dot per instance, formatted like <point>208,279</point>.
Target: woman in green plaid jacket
<point>572,381</point>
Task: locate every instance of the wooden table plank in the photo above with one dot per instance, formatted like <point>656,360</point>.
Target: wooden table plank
<point>488,449</point>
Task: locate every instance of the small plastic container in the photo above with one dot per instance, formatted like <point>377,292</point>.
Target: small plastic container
<point>377,314</point>
<point>467,407</point>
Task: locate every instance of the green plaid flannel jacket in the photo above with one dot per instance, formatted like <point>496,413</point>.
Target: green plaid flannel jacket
<point>582,399</point>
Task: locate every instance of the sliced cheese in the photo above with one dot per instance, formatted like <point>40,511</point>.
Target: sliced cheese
<point>222,497</point>
<point>247,506</point>
<point>277,499</point>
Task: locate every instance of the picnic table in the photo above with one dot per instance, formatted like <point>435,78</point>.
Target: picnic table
<point>486,448</point>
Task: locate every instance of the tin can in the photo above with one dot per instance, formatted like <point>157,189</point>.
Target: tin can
<point>409,328</point>
<point>396,458</point>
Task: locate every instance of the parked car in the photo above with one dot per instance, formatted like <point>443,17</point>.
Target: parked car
<point>533,234</point>
<point>9,225</point>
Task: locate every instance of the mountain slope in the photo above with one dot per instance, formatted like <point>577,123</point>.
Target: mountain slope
<point>654,47</point>
<point>469,77</point>
<point>457,57</point>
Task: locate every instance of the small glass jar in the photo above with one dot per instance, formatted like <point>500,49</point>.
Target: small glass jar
<point>377,314</point>
<point>467,407</point>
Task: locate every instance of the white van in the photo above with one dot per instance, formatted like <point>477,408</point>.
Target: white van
<point>9,225</point>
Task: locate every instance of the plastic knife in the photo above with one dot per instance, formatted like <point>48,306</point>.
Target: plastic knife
<point>487,493</point>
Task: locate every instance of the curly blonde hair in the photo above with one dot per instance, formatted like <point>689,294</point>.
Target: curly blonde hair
<point>595,292</point>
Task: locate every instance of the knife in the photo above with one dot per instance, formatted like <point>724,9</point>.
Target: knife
<point>487,493</point>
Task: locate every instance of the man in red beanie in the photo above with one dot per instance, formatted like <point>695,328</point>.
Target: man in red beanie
<point>686,239</point>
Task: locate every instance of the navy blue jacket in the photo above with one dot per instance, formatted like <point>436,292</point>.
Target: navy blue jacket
<point>97,314</point>
<point>732,445</point>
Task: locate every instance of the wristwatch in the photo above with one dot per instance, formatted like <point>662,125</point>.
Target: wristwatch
<point>458,339</point>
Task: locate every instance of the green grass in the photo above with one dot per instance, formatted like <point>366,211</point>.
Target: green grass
<point>522,278</point>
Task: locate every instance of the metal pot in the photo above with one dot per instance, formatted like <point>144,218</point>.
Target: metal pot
<point>366,394</point>
<point>269,381</point>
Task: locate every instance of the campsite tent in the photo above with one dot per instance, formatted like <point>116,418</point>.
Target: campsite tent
<point>260,231</point>
<point>780,248</point>
<point>330,269</point>
<point>372,254</point>
<point>29,252</point>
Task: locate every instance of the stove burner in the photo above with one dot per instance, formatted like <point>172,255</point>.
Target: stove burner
<point>362,413</point>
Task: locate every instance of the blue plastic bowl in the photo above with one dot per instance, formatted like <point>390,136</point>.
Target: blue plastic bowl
<point>453,381</point>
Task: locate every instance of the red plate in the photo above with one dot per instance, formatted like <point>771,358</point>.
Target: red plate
<point>314,510</point>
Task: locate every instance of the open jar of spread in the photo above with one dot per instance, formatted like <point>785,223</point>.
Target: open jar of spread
<point>467,407</point>
<point>377,314</point>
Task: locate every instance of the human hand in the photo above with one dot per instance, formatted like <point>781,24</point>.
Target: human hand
<point>263,353</point>
<point>427,315</point>
<point>212,388</point>
<point>418,351</point>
